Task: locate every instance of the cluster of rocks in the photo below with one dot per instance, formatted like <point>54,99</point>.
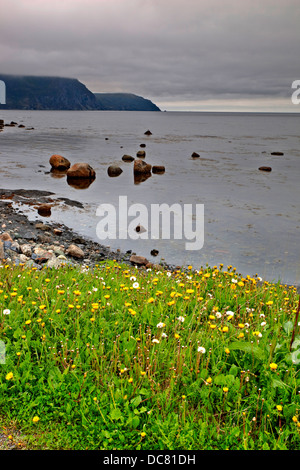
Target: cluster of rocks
<point>79,175</point>
<point>13,124</point>
<point>38,245</point>
<point>141,169</point>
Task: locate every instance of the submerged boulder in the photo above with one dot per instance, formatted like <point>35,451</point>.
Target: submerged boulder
<point>140,167</point>
<point>81,170</point>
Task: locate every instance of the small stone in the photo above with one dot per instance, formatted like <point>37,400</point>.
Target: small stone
<point>23,258</point>
<point>127,158</point>
<point>138,260</point>
<point>41,226</point>
<point>140,229</point>
<point>158,169</point>
<point>26,250</point>
<point>75,252</point>
<point>114,170</point>
<point>5,236</point>
<point>265,168</point>
<point>44,210</point>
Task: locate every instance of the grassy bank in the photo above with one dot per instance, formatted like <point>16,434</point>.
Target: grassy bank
<point>120,358</point>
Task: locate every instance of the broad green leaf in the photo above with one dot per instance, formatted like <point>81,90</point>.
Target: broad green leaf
<point>295,356</point>
<point>116,414</point>
<point>278,383</point>
<point>288,327</point>
<point>249,348</point>
<point>136,401</point>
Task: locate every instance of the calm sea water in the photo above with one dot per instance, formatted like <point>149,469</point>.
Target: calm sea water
<point>252,218</point>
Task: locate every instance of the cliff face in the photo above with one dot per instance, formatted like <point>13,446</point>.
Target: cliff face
<point>26,92</point>
<point>57,93</point>
<point>125,102</point>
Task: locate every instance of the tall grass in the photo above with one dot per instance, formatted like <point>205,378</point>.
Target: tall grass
<point>120,358</point>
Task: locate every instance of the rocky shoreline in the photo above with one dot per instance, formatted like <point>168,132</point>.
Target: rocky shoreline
<point>41,244</point>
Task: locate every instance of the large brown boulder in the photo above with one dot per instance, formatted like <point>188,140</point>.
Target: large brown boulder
<point>140,167</point>
<point>81,170</point>
<point>58,162</point>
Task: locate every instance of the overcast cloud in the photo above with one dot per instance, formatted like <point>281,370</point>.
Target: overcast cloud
<point>181,54</point>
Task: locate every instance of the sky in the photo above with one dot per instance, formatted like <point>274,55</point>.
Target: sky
<point>184,55</point>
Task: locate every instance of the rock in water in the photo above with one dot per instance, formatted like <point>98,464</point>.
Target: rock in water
<point>58,162</point>
<point>127,158</point>
<point>44,210</point>
<point>158,169</point>
<point>114,170</point>
<point>141,167</point>
<point>81,170</point>
<point>265,168</point>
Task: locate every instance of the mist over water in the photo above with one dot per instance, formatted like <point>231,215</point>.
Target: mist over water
<point>252,218</point>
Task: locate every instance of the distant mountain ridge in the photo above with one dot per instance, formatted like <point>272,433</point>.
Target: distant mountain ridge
<point>125,102</point>
<point>61,93</point>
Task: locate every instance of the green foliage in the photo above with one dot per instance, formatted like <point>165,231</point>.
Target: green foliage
<point>117,358</point>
